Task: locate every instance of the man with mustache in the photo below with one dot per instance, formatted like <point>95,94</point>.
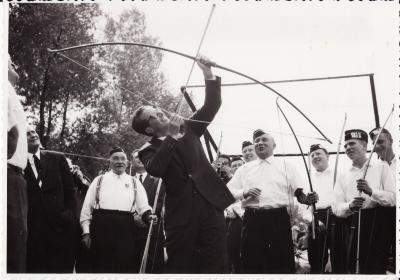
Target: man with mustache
<point>377,192</point>
<point>265,187</point>
<point>107,217</point>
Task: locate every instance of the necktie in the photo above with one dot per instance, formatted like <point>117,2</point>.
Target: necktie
<point>141,178</point>
<point>37,163</point>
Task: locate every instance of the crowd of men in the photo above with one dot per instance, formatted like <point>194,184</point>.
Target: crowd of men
<point>174,212</point>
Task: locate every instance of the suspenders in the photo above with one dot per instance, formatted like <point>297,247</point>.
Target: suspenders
<point>98,186</point>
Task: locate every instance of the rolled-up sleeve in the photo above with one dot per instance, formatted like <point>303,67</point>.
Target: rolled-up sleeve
<point>88,205</point>
<point>340,207</point>
<point>387,195</point>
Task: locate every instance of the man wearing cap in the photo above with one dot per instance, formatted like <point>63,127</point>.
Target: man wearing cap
<point>52,220</point>
<point>157,241</point>
<point>266,186</point>
<point>195,195</point>
<point>107,217</point>
<point>17,201</point>
<point>322,180</point>
<point>377,191</point>
<point>384,149</point>
<point>248,151</point>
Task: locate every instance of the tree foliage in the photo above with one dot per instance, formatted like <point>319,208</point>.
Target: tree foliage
<point>76,111</point>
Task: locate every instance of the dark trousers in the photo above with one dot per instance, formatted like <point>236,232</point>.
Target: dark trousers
<point>155,258</point>
<point>50,249</point>
<point>200,245</point>
<point>318,247</point>
<point>337,246</point>
<point>17,209</point>
<point>113,242</point>
<point>234,238</point>
<point>267,245</point>
<point>374,245</point>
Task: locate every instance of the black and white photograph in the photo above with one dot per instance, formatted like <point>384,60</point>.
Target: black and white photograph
<point>216,138</point>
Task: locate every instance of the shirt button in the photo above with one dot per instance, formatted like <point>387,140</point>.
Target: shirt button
<point>190,176</point>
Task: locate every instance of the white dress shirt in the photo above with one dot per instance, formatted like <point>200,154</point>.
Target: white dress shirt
<point>116,193</point>
<point>392,165</point>
<point>33,166</point>
<point>16,117</point>
<point>380,179</point>
<point>277,179</point>
<point>322,183</point>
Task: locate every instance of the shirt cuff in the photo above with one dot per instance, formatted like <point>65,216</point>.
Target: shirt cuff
<point>85,228</point>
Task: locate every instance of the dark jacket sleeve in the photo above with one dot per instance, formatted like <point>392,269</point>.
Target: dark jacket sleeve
<point>68,185</point>
<point>156,161</point>
<point>210,107</point>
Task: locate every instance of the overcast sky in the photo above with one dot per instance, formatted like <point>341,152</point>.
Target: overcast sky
<point>275,41</point>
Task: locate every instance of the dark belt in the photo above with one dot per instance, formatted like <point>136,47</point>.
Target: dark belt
<point>114,212</point>
<point>14,168</point>
<point>271,211</point>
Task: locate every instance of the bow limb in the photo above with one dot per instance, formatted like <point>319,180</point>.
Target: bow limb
<point>338,150</point>
<point>194,58</point>
<point>304,161</point>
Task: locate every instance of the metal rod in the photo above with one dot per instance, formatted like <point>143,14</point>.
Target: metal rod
<point>288,81</point>
<point>374,101</point>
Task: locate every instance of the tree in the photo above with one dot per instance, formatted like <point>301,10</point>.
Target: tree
<point>48,82</point>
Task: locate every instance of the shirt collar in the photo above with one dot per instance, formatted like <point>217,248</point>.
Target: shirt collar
<point>144,173</point>
<point>116,175</point>
<point>371,163</point>
<point>267,160</point>
<point>37,154</point>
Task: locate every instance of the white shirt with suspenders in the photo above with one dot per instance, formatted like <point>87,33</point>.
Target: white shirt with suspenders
<point>113,192</point>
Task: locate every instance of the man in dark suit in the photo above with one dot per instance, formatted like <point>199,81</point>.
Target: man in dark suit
<point>195,196</point>
<point>51,206</point>
<point>155,261</point>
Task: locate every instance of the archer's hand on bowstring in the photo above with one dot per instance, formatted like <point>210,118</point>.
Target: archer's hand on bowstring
<point>175,123</point>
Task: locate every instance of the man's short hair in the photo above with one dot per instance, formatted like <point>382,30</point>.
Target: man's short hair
<point>139,124</point>
<point>225,156</point>
<point>315,147</point>
<point>373,133</point>
<point>236,158</point>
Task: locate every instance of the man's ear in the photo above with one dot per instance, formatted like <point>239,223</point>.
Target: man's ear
<point>149,130</point>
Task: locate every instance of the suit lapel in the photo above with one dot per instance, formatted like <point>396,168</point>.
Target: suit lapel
<point>44,161</point>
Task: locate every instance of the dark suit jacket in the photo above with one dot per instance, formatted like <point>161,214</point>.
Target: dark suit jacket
<point>183,165</point>
<point>55,199</point>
